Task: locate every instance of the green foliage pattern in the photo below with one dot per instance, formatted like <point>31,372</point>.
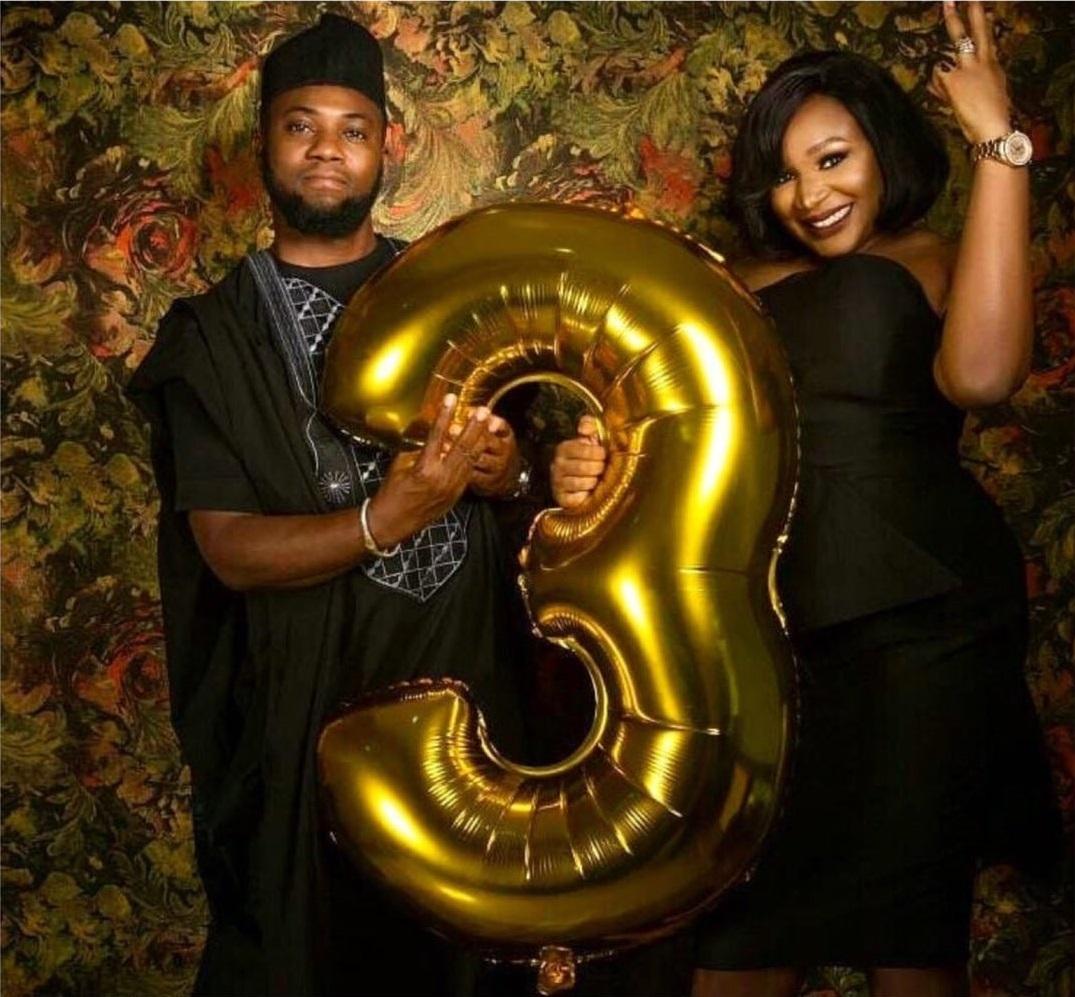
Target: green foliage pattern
<point>130,179</point>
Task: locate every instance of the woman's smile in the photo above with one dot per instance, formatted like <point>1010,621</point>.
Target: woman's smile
<point>829,222</point>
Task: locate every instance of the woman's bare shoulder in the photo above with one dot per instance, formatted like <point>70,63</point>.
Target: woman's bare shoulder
<point>931,258</point>
<point>922,249</point>
<point>757,274</point>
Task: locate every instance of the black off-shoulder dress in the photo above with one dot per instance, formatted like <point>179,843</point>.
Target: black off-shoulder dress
<point>919,754</point>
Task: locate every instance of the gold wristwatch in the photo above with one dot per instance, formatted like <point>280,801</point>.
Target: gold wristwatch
<point>1013,149</point>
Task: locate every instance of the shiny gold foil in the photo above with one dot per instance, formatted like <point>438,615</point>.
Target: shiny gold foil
<point>660,583</point>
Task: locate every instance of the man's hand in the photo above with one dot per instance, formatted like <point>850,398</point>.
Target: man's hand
<point>423,485</point>
<point>253,551</point>
<point>577,466</point>
<point>496,471</point>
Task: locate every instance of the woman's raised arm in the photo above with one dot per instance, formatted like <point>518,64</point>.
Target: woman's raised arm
<point>985,349</point>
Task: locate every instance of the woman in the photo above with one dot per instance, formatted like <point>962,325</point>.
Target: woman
<point>918,751</point>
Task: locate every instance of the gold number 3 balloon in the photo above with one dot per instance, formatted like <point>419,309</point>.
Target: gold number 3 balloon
<point>661,584</point>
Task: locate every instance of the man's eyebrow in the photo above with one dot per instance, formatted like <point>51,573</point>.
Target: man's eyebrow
<point>825,141</point>
<point>304,109</point>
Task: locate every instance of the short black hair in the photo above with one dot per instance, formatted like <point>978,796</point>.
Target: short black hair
<point>910,152</point>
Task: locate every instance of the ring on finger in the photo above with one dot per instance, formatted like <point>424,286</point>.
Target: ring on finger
<point>966,46</point>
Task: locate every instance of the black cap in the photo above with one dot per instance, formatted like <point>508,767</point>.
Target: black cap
<point>335,52</point>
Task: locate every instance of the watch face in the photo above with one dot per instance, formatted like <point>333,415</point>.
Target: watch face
<point>1017,149</point>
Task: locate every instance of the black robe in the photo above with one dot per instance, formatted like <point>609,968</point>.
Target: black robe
<point>253,675</point>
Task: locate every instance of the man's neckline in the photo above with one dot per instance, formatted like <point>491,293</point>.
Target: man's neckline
<point>378,245</point>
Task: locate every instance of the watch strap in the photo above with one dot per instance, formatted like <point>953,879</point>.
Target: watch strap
<point>987,150</point>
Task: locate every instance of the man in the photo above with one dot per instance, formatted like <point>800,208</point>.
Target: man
<point>297,568</point>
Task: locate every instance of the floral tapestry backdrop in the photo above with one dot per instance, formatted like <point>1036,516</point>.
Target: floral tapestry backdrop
<point>129,179</point>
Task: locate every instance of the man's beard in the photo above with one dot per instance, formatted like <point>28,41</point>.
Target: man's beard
<point>333,222</point>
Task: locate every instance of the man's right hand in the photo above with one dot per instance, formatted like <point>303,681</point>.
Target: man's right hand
<point>421,486</point>
<point>577,466</point>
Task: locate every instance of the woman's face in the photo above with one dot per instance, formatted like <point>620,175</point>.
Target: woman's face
<point>830,193</point>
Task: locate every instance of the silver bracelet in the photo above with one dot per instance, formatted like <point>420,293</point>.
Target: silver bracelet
<point>367,537</point>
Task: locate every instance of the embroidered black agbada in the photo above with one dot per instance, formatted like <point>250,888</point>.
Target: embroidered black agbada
<point>253,675</point>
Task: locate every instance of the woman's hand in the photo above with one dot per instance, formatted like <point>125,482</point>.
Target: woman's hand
<point>974,87</point>
<point>577,466</point>
<point>421,486</point>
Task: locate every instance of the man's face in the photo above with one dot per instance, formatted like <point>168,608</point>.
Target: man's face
<point>321,158</point>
